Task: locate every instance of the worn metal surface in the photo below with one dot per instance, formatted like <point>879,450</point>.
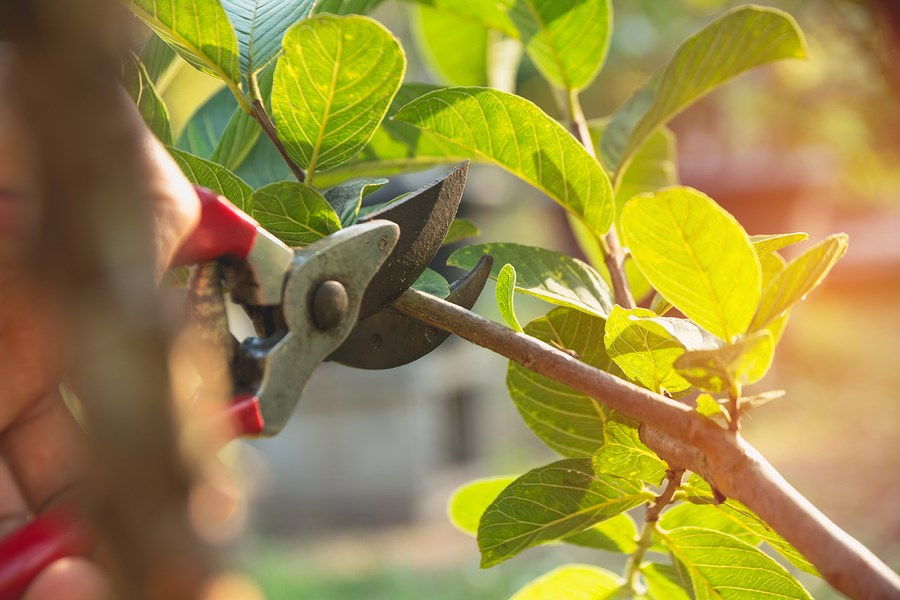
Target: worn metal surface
<point>277,368</point>
<point>390,339</point>
<point>424,218</point>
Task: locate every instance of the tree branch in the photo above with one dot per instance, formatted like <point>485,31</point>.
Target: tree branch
<point>730,464</point>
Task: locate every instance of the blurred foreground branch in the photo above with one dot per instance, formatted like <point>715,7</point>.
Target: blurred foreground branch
<point>97,252</point>
<point>685,439</point>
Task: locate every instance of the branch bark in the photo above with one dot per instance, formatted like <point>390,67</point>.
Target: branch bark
<point>731,465</point>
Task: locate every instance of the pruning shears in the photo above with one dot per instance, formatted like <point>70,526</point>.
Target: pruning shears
<point>329,300</point>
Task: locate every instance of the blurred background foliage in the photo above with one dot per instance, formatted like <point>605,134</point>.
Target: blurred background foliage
<point>809,146</point>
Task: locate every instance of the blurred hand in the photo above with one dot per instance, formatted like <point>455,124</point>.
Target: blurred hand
<point>40,443</point>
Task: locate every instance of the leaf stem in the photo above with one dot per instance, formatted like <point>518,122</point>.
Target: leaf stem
<point>734,407</point>
<point>258,112</point>
<point>633,566</point>
<point>612,249</point>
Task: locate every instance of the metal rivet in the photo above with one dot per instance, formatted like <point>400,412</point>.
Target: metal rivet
<point>375,340</point>
<point>330,304</point>
<point>383,244</point>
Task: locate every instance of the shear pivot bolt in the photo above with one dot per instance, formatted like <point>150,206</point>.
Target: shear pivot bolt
<point>330,304</point>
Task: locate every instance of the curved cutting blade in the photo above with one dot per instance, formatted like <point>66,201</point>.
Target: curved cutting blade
<point>389,339</point>
<point>424,218</point>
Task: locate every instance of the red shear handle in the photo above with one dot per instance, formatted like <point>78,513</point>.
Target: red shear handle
<point>55,534</point>
<point>61,532</point>
<point>224,231</point>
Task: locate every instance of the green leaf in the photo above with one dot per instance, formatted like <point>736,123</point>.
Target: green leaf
<point>766,244</point>
<point>296,213</point>
<point>514,133</point>
<point>432,282</point>
<point>569,422</point>
<point>347,198</point>
<point>456,48</point>
<point>801,276</point>
<point>199,31</point>
<point>147,99</point>
<point>461,229</point>
<point>215,177</point>
<point>333,86</point>
<point>506,284</point>
<point>696,255</point>
<point>623,454</point>
<point>709,407</point>
<point>398,147</point>
<point>644,349</point>
<point>264,165</point>
<point>551,502</point>
<point>733,365</point>
<point>494,14</point>
<point>346,7</point>
<point>654,166</point>
<point>739,40</point>
<point>700,493</point>
<point>158,58</point>
<point>617,534</point>
<point>664,582</point>
<point>551,276</point>
<point>708,517</point>
<point>566,39</point>
<point>469,501</point>
<point>772,264</point>
<point>203,131</point>
<point>572,582</point>
<point>260,25</point>
<point>722,566</point>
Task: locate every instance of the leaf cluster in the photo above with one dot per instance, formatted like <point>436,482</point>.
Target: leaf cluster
<point>318,90</point>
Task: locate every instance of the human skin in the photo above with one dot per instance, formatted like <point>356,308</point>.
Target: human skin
<point>41,446</point>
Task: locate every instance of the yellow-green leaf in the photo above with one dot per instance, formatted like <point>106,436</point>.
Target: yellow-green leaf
<point>214,176</point>
<point>700,494</point>
<point>644,349</point>
<point>801,276</point>
<point>569,422</point>
<point>566,39</point>
<point>469,501</point>
<point>723,369</point>
<point>545,274</point>
<point>766,244</point>
<point>296,213</point>
<point>572,582</point>
<point>735,569</point>
<point>199,31</point>
<point>549,503</point>
<point>696,255</point>
<point>461,229</point>
<point>346,7</point>
<point>513,133</point>
<point>739,40</point>
<point>147,99</point>
<point>506,284</point>
<point>455,47</point>
<point>623,454</point>
<point>333,86</point>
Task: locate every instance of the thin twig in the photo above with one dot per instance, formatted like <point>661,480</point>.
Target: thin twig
<point>612,249</point>
<point>258,112</point>
<point>730,464</point>
<point>633,566</point>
